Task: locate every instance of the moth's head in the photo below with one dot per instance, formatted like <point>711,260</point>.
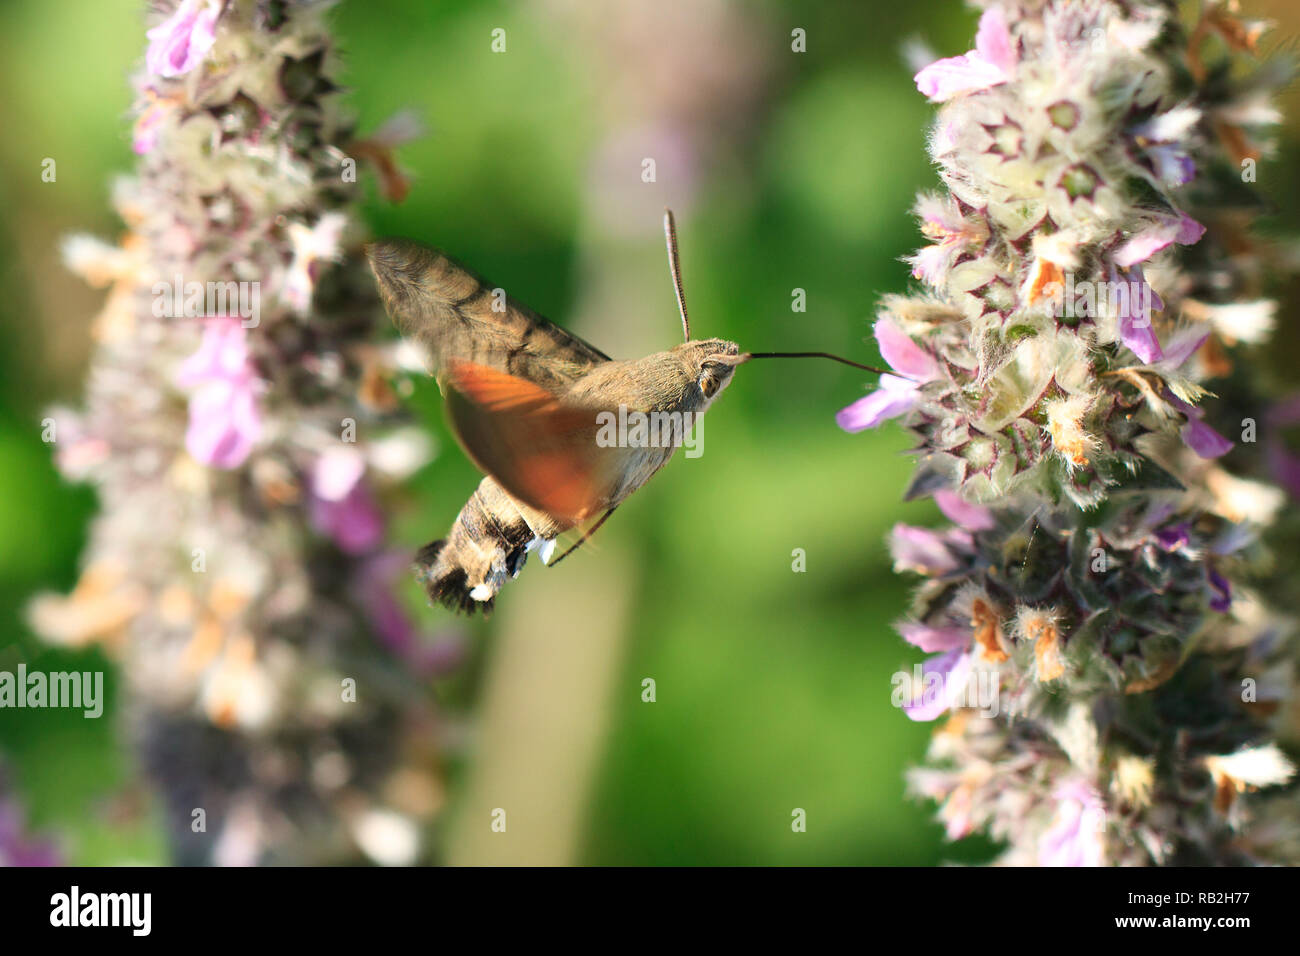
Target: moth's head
<point>710,364</point>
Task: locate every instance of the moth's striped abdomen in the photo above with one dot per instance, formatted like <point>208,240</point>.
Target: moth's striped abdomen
<point>488,544</point>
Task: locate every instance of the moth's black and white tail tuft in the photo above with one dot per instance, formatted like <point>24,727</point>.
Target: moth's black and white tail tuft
<point>446,581</point>
<point>487,546</point>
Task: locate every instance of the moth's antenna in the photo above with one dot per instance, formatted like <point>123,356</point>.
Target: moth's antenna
<point>827,355</point>
<point>675,266</point>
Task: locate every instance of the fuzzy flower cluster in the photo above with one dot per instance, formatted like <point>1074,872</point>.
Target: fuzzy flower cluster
<point>1116,690</point>
<point>239,425</point>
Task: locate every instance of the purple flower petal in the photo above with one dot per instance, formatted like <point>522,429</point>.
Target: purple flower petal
<point>1182,345</point>
<point>1173,537</point>
<point>895,396</point>
<point>1135,308</point>
<point>1143,245</point>
<point>355,522</point>
<point>1200,437</point>
<point>904,355</point>
<point>1075,838</point>
<point>222,354</point>
<point>1173,166</point>
<point>224,423</point>
<point>179,43</point>
<point>944,682</point>
<point>1138,336</point>
<point>1163,137</point>
<point>931,262</point>
<point>958,510</point>
<point>1204,440</point>
<point>391,623</point>
<point>1221,590</point>
<point>955,75</point>
<point>922,550</point>
<point>934,639</point>
<point>341,504</point>
<point>336,472</point>
<point>991,63</point>
<point>993,40</point>
<point>1189,231</point>
<point>393,626</point>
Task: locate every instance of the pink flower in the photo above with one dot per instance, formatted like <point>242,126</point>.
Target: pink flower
<point>1075,838</point>
<point>944,682</point>
<point>1184,230</point>
<point>145,135</point>
<point>179,43</point>
<point>934,640</point>
<point>992,62</point>
<point>927,551</point>
<point>942,221</point>
<point>341,504</point>
<point>222,354</point>
<point>336,473</point>
<point>903,355</point>
<point>374,589</point>
<point>225,423</point>
<point>961,512</point>
<point>896,395</point>
<point>931,263</point>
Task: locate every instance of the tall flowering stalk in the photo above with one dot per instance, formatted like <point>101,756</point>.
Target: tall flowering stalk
<point>1115,689</point>
<point>239,569</point>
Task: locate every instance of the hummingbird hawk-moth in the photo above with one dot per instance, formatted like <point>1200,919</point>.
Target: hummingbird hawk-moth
<point>527,400</point>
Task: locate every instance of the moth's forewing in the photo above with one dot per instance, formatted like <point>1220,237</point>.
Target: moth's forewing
<point>539,448</point>
<point>453,315</point>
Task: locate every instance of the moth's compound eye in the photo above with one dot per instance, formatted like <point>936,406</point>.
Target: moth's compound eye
<point>713,375</point>
<point>710,380</point>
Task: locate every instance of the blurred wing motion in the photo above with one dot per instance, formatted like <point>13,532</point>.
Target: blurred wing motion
<point>452,315</point>
<point>538,448</point>
<point>502,369</point>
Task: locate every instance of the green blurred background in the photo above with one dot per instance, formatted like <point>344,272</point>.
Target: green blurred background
<point>772,686</point>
